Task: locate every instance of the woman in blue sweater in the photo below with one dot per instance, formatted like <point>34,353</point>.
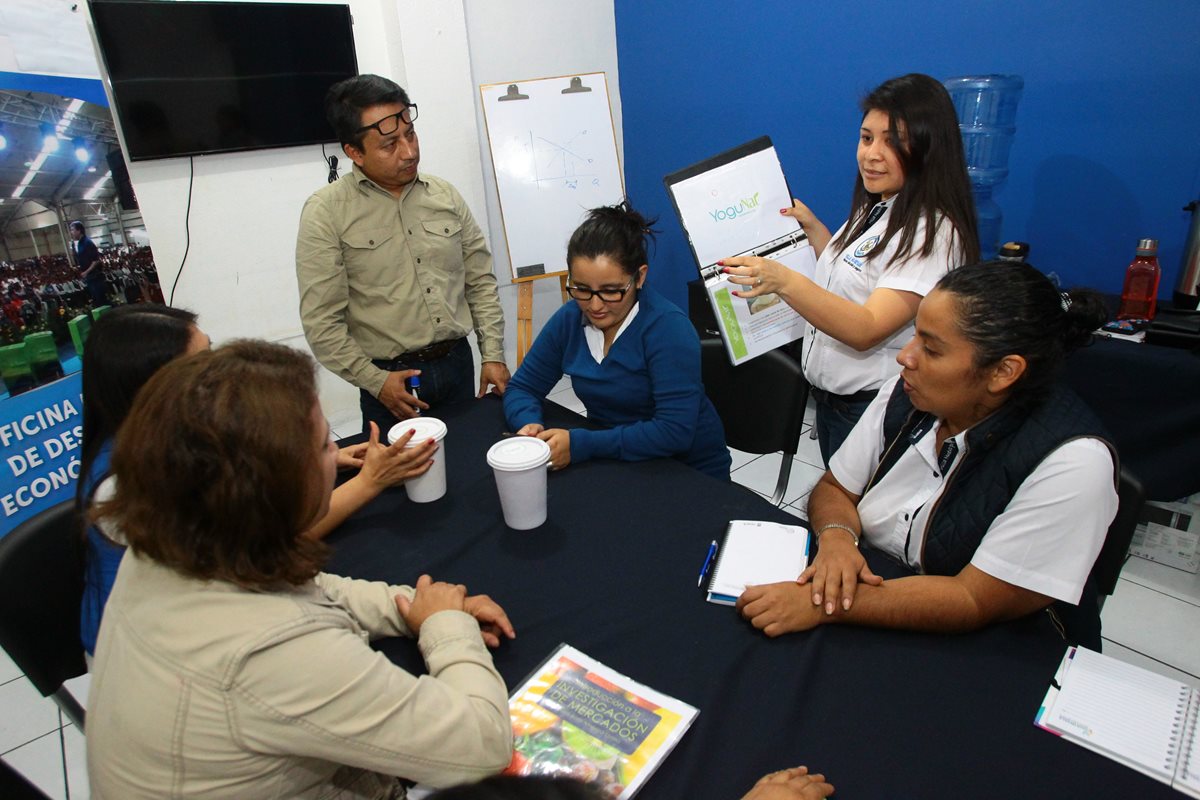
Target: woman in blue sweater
<point>633,358</point>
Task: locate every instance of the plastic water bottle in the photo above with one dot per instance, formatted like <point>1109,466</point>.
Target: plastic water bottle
<point>1139,296</point>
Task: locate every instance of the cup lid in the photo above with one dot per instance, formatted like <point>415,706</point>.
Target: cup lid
<point>518,453</point>
<point>423,427</point>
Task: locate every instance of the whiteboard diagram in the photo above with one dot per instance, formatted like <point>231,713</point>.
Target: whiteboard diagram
<point>555,157</point>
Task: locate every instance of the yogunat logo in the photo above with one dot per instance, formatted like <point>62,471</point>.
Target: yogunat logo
<point>747,205</point>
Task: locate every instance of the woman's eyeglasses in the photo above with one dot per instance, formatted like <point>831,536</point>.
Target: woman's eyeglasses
<point>607,295</point>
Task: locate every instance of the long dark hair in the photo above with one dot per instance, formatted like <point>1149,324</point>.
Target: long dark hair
<point>125,347</point>
<point>222,483</point>
<point>619,232</point>
<point>935,171</point>
<point>1010,308</point>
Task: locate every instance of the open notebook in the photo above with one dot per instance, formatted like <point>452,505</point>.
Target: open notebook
<point>1129,714</point>
<point>756,552</point>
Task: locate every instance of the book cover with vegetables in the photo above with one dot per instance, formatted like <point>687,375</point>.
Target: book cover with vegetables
<point>576,717</point>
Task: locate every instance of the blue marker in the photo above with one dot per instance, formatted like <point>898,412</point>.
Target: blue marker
<point>708,559</point>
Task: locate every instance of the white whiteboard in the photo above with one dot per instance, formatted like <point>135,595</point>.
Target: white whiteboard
<point>555,157</point>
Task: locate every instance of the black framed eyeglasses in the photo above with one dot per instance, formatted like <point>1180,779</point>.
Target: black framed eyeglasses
<point>391,123</point>
<point>607,295</point>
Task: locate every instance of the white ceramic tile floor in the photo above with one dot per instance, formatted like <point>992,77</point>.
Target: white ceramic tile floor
<point>1153,621</point>
<point>762,473</point>
<point>27,715</point>
<point>41,762</point>
<point>1154,624</point>
<point>8,670</point>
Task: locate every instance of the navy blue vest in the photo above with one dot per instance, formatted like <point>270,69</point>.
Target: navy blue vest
<point>1000,452</point>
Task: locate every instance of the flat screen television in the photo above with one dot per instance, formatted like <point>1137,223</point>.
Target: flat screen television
<point>192,78</point>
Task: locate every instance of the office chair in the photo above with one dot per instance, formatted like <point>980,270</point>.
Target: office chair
<point>15,786</point>
<point>1113,554</point>
<point>760,403</point>
<point>41,587</point>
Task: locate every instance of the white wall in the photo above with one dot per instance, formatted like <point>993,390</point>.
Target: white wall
<point>515,41</point>
<point>240,275</point>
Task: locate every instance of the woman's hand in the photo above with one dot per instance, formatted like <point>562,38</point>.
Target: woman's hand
<point>493,622</point>
<point>429,598</point>
<point>392,465</point>
<point>818,235</point>
<point>778,608</point>
<point>532,429</point>
<point>560,446</point>
<point>759,275</point>
<point>802,214</point>
<point>790,784</point>
<point>351,457</point>
<point>836,571</point>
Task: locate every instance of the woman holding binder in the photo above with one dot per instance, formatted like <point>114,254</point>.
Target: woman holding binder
<point>633,358</point>
<point>973,467</point>
<point>912,219</point>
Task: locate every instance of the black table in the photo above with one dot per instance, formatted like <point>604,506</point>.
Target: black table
<point>1149,399</point>
<point>613,573</point>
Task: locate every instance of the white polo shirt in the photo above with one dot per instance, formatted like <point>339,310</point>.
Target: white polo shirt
<point>1046,539</point>
<point>839,368</point>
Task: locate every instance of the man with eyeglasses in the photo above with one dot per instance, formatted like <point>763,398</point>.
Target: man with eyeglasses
<point>393,270</point>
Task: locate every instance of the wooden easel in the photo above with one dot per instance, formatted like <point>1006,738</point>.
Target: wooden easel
<point>525,310</point>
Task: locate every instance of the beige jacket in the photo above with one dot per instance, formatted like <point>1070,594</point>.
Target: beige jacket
<point>206,690</point>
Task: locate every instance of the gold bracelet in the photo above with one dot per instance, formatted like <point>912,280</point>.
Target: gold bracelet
<point>839,526</point>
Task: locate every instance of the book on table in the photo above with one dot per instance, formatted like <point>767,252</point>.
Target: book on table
<point>756,552</point>
<point>576,717</point>
<point>1134,716</point>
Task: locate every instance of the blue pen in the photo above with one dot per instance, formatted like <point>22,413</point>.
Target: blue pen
<point>708,559</point>
<point>414,384</point>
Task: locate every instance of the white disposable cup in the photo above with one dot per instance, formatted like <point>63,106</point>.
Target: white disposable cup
<point>519,464</point>
<point>431,485</point>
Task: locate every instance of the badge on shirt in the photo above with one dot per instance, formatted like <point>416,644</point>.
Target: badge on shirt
<point>857,258</point>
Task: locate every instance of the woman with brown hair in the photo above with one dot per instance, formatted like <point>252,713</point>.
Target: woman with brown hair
<point>228,665</point>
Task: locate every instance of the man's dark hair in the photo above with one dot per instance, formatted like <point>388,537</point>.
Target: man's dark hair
<point>76,225</point>
<point>346,100</point>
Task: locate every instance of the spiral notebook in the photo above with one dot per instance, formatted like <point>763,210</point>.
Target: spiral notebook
<point>1129,714</point>
<point>756,552</point>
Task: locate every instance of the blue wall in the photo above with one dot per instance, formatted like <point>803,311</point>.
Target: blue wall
<point>1107,147</point>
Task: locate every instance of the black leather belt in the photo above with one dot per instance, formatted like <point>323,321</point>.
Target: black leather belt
<point>831,398</point>
<point>431,352</point>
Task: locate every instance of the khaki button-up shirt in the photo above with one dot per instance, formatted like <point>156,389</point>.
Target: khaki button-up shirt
<point>381,276</point>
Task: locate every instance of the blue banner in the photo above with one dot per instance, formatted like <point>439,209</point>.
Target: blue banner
<point>40,438</point>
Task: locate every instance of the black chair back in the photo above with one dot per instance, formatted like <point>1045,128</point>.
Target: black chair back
<point>760,402</point>
<point>41,587</point>
<point>1130,499</point>
<point>15,786</point>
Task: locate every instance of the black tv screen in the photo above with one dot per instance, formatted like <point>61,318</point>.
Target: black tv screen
<point>214,77</point>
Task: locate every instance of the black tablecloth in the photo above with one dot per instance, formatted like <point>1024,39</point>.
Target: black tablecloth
<point>1149,399</point>
<point>613,573</point>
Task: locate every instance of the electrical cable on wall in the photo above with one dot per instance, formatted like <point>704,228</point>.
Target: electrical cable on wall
<point>332,162</point>
<point>187,231</point>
